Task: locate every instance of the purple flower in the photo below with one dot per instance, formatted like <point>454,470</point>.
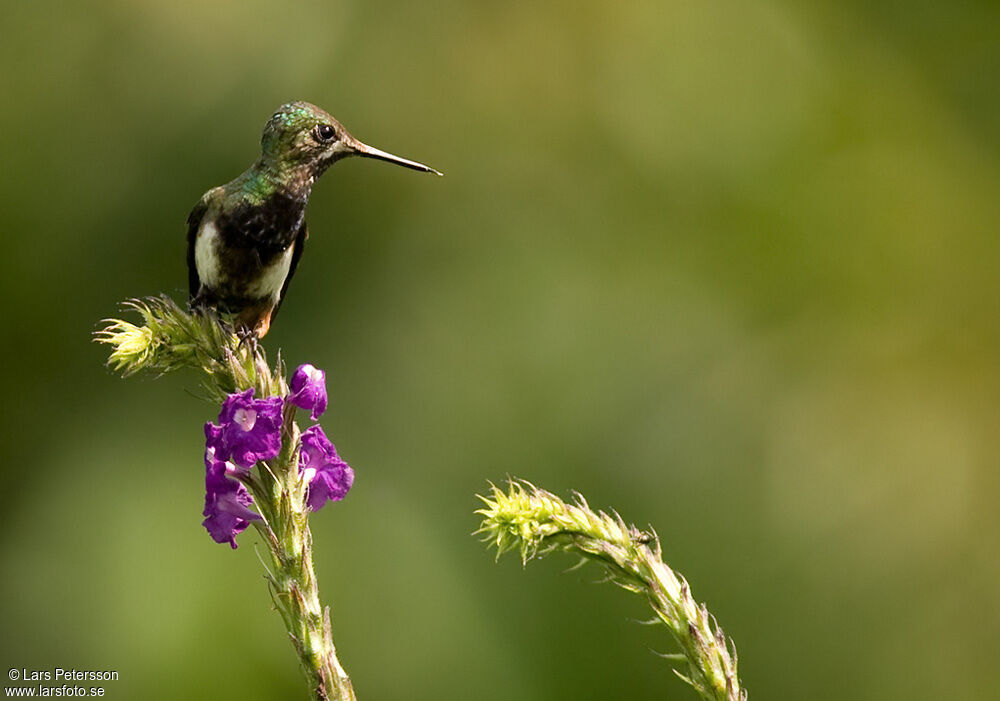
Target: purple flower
<point>309,390</point>
<point>249,430</point>
<point>328,475</point>
<point>226,500</point>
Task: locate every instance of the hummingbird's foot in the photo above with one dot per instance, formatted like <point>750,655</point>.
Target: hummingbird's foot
<point>203,302</point>
<point>248,337</point>
<point>256,320</point>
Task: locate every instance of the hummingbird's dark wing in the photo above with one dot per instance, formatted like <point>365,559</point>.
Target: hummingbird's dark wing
<point>300,243</point>
<point>194,222</point>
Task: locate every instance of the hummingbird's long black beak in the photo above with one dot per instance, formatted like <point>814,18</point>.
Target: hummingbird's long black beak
<point>367,151</point>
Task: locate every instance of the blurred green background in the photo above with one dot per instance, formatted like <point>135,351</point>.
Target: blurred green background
<point>729,268</point>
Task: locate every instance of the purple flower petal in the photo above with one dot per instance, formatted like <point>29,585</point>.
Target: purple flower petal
<point>331,484</point>
<point>249,430</point>
<point>308,390</point>
<point>329,477</point>
<point>227,501</point>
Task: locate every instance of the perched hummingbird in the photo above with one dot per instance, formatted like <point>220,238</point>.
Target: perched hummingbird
<point>245,238</point>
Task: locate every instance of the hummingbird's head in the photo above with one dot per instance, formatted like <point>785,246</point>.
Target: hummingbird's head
<point>302,139</point>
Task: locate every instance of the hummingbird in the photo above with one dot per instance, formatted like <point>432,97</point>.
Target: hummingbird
<point>245,238</point>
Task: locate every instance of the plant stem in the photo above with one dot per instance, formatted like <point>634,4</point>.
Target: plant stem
<point>536,522</point>
<point>280,496</point>
<point>296,596</point>
<point>171,339</point>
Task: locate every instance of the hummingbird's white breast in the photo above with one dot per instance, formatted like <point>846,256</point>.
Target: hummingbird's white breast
<point>206,257</point>
<point>272,278</point>
<point>263,282</point>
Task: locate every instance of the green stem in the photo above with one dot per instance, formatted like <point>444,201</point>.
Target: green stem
<point>296,596</point>
<point>170,339</point>
<point>280,496</point>
<point>711,666</point>
<point>536,522</point>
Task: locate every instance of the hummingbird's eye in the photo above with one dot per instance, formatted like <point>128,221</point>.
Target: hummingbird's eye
<point>324,133</point>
